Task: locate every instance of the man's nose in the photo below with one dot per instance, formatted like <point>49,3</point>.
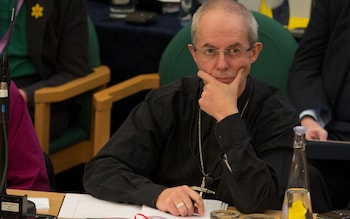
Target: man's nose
<point>221,59</point>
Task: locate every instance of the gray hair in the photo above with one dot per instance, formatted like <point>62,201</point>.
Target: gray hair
<point>231,6</point>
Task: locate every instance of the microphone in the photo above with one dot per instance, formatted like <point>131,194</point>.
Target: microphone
<point>24,207</point>
<point>4,99</point>
<point>5,67</point>
<point>4,88</point>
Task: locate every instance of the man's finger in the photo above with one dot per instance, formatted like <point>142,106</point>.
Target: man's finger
<point>205,76</point>
<point>237,80</point>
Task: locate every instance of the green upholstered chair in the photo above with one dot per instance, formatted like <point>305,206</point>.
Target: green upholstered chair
<point>278,51</point>
<point>272,66</point>
<point>76,145</point>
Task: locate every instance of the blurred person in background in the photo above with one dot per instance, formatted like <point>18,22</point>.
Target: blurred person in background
<point>319,87</point>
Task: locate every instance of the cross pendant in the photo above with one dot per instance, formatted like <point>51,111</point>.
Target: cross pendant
<point>202,189</point>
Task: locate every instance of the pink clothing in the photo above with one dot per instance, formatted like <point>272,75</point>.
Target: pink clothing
<point>26,163</point>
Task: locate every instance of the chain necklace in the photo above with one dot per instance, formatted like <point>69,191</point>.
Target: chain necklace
<point>204,174</point>
<point>200,143</point>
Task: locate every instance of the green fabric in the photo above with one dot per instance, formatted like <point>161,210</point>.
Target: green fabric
<point>272,65</point>
<point>94,49</point>
<point>279,47</point>
<point>17,50</point>
<point>72,136</point>
<point>94,61</point>
<point>81,130</point>
<point>176,60</point>
<point>5,7</point>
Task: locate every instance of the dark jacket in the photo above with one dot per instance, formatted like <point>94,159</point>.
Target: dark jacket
<point>321,62</point>
<point>57,43</point>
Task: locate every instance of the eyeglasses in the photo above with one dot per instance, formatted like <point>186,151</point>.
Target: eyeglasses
<point>233,53</point>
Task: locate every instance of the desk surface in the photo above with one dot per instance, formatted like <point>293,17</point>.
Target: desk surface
<point>328,150</point>
<point>55,199</point>
<point>274,213</point>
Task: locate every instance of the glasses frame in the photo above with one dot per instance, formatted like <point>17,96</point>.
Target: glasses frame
<point>215,52</point>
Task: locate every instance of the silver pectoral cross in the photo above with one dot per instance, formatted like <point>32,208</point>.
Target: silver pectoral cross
<point>202,189</point>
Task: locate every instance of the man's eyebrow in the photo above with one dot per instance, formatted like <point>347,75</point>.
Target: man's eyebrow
<point>230,46</point>
<point>208,45</point>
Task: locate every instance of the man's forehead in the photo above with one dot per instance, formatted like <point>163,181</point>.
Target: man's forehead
<point>213,24</point>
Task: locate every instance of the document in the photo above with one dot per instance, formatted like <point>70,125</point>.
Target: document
<point>85,206</point>
<point>40,203</point>
<point>210,205</point>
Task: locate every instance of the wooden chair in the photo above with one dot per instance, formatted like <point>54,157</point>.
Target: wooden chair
<point>76,145</point>
<point>272,66</point>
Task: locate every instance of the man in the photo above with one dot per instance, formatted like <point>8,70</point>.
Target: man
<point>48,47</point>
<point>223,130</point>
<point>319,87</point>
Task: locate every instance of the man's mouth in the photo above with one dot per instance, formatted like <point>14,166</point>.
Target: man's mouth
<point>225,80</point>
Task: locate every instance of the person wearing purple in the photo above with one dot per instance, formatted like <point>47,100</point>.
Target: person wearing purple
<point>26,163</point>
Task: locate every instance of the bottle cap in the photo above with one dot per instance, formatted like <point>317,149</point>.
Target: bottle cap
<point>299,130</point>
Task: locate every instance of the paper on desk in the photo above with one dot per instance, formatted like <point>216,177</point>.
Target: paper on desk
<point>40,203</point>
<point>87,206</point>
<point>210,205</point>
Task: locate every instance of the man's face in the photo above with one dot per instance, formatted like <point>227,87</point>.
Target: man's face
<point>222,46</point>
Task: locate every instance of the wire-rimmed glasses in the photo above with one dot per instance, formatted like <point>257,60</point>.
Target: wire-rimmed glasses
<point>233,53</point>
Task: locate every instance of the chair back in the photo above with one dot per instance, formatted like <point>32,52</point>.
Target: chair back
<point>176,60</point>
<point>272,65</point>
<point>278,51</point>
<point>81,129</point>
<point>94,61</point>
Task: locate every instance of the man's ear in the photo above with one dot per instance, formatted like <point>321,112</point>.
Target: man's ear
<point>193,53</point>
<point>255,51</point>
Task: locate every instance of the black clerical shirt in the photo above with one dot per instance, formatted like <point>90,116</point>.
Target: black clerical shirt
<point>157,147</point>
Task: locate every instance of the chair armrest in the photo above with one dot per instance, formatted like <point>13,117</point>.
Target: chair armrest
<point>104,99</point>
<point>99,77</point>
<point>44,97</point>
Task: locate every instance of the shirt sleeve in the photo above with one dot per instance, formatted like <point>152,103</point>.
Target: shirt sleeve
<point>321,117</point>
<point>258,150</point>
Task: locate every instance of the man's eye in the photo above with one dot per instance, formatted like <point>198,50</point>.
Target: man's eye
<point>210,51</point>
<point>234,51</point>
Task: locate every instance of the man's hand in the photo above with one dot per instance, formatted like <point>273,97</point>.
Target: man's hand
<point>313,130</point>
<point>219,99</point>
<point>180,200</point>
